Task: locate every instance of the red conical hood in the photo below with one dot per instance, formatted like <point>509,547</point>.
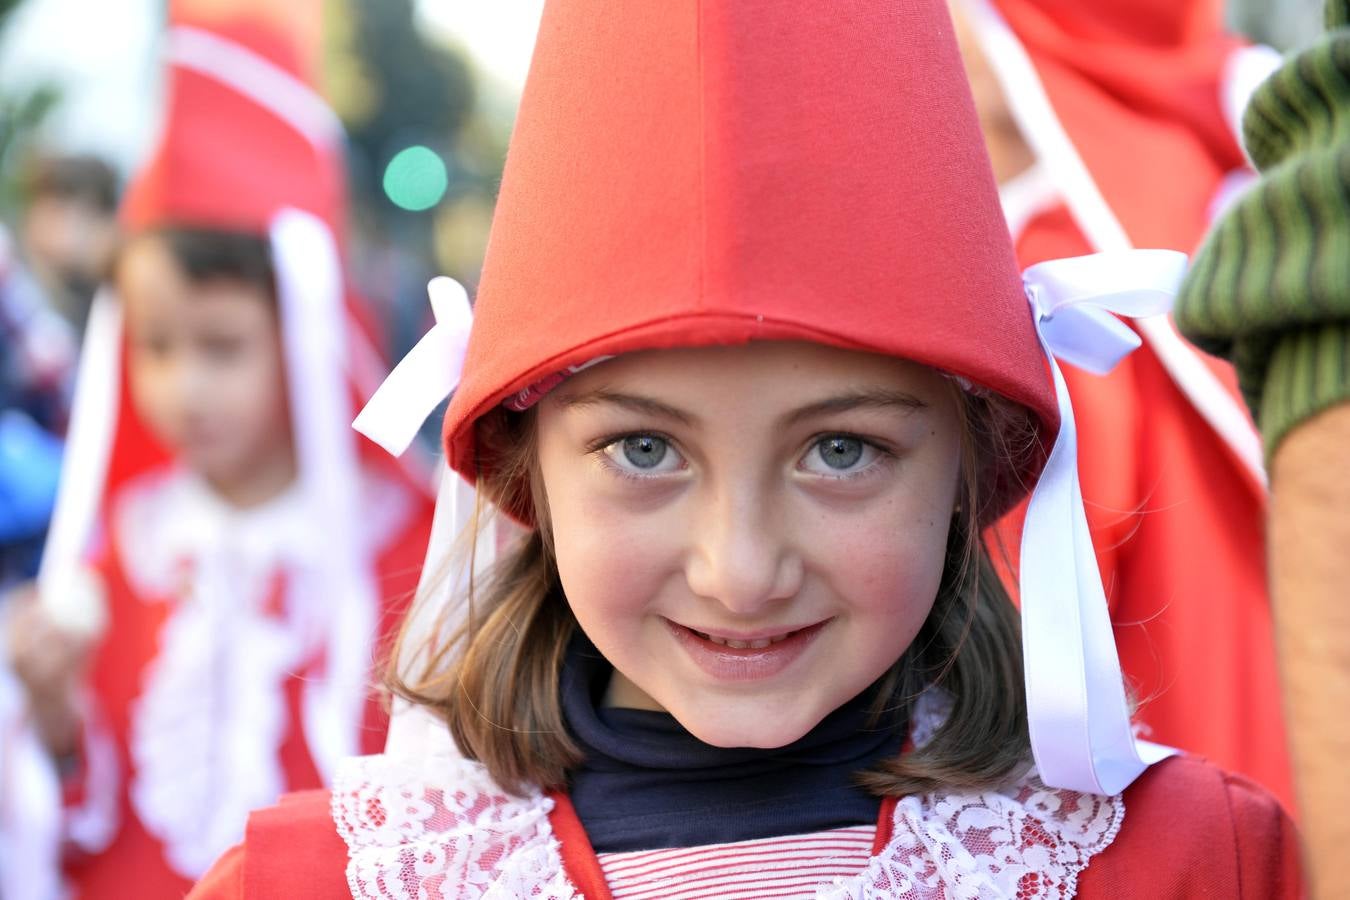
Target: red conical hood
<point>245,136</point>
<point>232,155</point>
<point>1138,86</point>
<point>1152,23</point>
<point>716,172</point>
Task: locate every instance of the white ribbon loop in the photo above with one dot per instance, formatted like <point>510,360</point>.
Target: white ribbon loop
<point>425,377</point>
<point>1074,312</point>
<point>1079,719</point>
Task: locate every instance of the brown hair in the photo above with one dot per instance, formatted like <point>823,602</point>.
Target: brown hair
<point>81,178</point>
<point>206,255</point>
<point>492,671</point>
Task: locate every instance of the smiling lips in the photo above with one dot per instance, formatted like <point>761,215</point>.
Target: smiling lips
<point>746,657</point>
<point>756,644</point>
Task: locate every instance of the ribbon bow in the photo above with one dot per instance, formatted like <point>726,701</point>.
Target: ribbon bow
<point>1079,719</point>
<point>425,377</point>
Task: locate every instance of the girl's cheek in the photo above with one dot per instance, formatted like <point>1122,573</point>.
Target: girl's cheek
<point>888,564</point>
<point>614,561</point>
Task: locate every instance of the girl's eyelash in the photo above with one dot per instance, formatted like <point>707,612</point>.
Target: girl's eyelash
<point>874,443</point>
<point>597,447</point>
<point>620,472</point>
<point>884,451</point>
<point>599,444</point>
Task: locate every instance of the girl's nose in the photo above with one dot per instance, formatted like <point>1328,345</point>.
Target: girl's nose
<point>193,384</point>
<point>742,556</point>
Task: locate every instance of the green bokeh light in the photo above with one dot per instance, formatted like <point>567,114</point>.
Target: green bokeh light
<point>416,179</point>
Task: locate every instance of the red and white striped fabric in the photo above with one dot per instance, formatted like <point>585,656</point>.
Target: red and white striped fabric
<point>780,867</point>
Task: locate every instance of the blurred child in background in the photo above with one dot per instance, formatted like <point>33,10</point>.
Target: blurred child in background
<point>247,555</point>
<point>69,229</point>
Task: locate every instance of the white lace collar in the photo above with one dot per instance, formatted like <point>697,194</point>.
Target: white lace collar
<point>212,713</point>
<point>175,516</point>
<point>438,826</point>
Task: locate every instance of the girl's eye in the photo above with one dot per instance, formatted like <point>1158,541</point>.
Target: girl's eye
<point>646,454</point>
<point>222,349</point>
<point>839,454</point>
<point>155,345</point>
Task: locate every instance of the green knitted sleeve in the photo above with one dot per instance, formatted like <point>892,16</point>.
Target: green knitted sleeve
<point>1270,287</point>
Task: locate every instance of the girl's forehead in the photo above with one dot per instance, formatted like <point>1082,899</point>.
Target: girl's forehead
<point>762,370</point>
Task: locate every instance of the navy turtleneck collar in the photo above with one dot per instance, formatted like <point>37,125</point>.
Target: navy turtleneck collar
<point>646,783</point>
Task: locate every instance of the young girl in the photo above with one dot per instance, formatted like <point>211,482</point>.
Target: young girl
<point>752,361</point>
<point>248,559</point>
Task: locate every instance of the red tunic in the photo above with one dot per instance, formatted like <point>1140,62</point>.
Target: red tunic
<point>1190,830</point>
<point>137,860</point>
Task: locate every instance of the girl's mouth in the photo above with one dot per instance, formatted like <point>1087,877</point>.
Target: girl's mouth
<point>745,657</point>
<point>754,644</point>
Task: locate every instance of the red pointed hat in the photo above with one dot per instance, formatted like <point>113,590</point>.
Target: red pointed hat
<point>244,135</point>
<point>688,174</point>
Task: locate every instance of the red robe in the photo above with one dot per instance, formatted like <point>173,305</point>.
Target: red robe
<point>113,793</point>
<point>1189,830</point>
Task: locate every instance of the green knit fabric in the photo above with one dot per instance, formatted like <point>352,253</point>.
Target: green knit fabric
<point>1270,288</point>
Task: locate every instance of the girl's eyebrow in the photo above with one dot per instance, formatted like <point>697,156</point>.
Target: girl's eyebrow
<point>632,402</point>
<point>867,398</point>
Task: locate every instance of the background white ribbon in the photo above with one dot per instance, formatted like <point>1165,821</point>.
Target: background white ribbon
<point>419,383</point>
<point>1079,718</point>
<point>425,377</point>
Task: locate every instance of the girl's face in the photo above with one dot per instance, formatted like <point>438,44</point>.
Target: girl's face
<point>750,535</point>
<point>206,372</point>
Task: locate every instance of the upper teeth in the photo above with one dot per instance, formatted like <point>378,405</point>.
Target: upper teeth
<point>745,645</point>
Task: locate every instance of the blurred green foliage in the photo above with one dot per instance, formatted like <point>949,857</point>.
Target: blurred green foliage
<point>393,89</point>
<point>397,89</point>
<point>22,111</point>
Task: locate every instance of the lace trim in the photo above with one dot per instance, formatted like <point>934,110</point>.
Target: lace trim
<point>1030,842</point>
<point>457,836</point>
<point>211,714</point>
<point>440,828</point>
<point>206,729</point>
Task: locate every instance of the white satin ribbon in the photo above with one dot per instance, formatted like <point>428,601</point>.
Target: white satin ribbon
<point>1081,735</point>
<point>310,295</point>
<point>396,412</point>
<point>425,377</point>
<point>413,730</point>
<point>61,579</point>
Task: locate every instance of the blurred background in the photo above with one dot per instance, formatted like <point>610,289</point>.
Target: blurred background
<point>427,91</point>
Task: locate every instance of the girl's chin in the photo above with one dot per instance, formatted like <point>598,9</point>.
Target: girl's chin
<point>754,728</point>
